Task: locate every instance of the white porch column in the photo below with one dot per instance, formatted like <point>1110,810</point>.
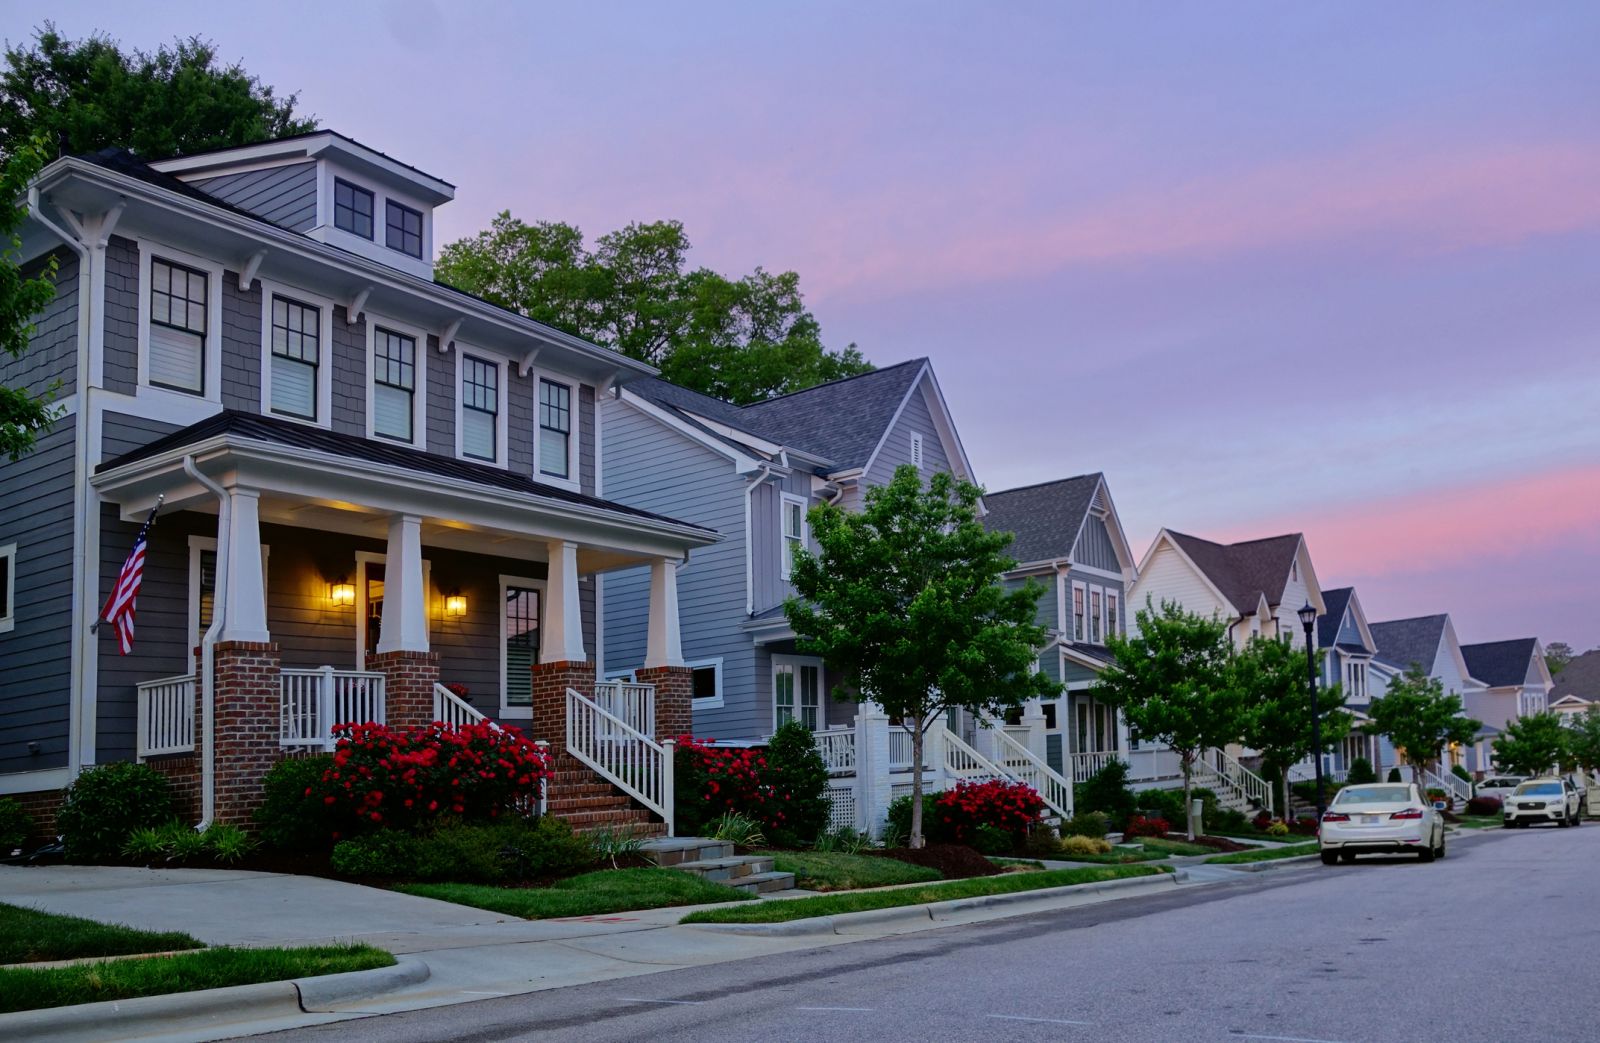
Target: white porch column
<point>662,644</point>
<point>244,610</point>
<point>561,629</point>
<point>405,601</point>
<point>1033,718</point>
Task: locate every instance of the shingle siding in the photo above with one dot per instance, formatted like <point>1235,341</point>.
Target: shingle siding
<point>286,196</point>
<point>36,513</point>
<point>52,353</point>
<point>241,344</point>
<point>349,374</point>
<point>120,366</point>
<point>441,404</point>
<point>519,420</point>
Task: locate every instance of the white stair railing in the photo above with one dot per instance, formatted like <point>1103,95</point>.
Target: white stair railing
<point>634,703</point>
<point>965,763</point>
<point>1216,767</point>
<point>166,716</point>
<point>313,701</point>
<point>1023,765</point>
<point>838,749</point>
<point>621,754</point>
<point>449,708</point>
<point>1458,789</point>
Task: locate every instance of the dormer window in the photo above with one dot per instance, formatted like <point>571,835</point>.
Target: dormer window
<point>352,210</point>
<point>403,229</point>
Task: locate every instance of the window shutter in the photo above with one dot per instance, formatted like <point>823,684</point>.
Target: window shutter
<point>176,358</point>
<point>391,412</point>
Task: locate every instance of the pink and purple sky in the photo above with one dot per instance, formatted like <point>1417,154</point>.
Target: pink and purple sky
<point>1323,267</point>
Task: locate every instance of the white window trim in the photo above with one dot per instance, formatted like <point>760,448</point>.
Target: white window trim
<point>1109,627</point>
<point>192,622</point>
<point>508,712</point>
<point>375,248</point>
<point>363,559</point>
<point>324,347</point>
<point>573,481</point>
<point>785,556</point>
<point>797,661</point>
<point>710,702</point>
<point>419,397</point>
<point>501,380</point>
<point>1072,621</point>
<point>8,622</point>
<point>212,392</point>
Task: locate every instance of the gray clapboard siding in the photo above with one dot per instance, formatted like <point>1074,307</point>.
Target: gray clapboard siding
<point>896,449</point>
<point>1094,547</point>
<point>241,344</point>
<point>120,367</point>
<point>36,513</point>
<point>123,433</point>
<point>286,196</point>
<point>52,353</point>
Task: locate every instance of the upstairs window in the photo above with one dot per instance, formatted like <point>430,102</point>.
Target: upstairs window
<point>178,320</point>
<point>480,409</point>
<point>1095,634</point>
<point>555,429</point>
<point>1079,622</point>
<point>1113,618</point>
<point>8,587</point>
<point>394,385</point>
<point>296,354</point>
<point>794,531</point>
<point>352,208</point>
<point>403,229</point>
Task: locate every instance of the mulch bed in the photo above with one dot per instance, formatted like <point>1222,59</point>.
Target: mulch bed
<point>1218,843</point>
<point>954,861</point>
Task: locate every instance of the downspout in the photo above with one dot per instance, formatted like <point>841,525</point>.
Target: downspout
<point>749,539</point>
<point>219,612</point>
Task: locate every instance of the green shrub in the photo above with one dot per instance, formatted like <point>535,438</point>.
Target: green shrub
<point>1107,791</point>
<point>507,850</point>
<point>992,840</point>
<point>899,817</point>
<point>1042,842</point>
<point>799,780</point>
<point>544,847</point>
<point>388,853</point>
<point>106,803</point>
<point>1394,775</point>
<point>1277,828</point>
<point>227,843</point>
<point>1461,773</point>
<point>1361,772</point>
<point>16,826</point>
<point>1086,824</point>
<point>466,854</point>
<point>292,817</point>
<point>176,842</point>
<point>1229,820</point>
<point>1079,844</point>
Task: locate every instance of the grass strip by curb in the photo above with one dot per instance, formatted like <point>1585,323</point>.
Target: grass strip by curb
<point>859,901</point>
<point>1180,848</point>
<point>1117,857</point>
<point>590,894</point>
<point>838,871</point>
<point>34,988</point>
<point>34,936</point>
<point>1263,855</point>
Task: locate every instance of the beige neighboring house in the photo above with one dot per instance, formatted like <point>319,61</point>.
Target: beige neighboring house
<point>1577,687</point>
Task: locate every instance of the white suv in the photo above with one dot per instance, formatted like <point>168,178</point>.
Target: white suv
<point>1542,800</point>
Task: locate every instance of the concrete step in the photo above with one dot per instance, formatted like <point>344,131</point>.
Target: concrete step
<point>761,883</point>
<point>672,851</point>
<point>724,870</point>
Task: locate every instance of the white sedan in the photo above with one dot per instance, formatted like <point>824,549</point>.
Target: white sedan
<point>1381,817</point>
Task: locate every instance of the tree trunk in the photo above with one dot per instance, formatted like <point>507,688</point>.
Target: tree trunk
<point>916,786</point>
<point>1188,788</point>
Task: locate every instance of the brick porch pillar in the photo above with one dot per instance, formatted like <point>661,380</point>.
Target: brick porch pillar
<point>674,695</point>
<point>246,713</point>
<point>408,680</point>
<point>550,684</point>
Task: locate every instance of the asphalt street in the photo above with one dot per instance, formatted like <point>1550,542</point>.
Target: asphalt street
<point>1495,943</point>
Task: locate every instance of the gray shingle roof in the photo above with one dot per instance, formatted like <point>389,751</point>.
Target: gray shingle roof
<point>1403,642</point>
<point>1336,601</point>
<point>1500,663</point>
<point>1581,678</point>
<point>841,421</point>
<point>1044,519</point>
<point>1244,571</point>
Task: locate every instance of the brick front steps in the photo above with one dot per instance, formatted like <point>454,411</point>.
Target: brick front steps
<point>714,860</point>
<point>587,801</point>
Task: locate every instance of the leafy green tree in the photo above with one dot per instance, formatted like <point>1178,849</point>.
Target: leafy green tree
<point>24,415</point>
<point>1557,654</point>
<point>84,95</point>
<point>904,600</point>
<point>1271,675</point>
<point>1175,683</point>
<point>1420,719</point>
<point>743,340</point>
<point>1533,745</point>
<point>1583,739</point>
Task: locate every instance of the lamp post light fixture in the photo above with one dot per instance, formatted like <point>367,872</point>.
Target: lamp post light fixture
<point>1308,620</point>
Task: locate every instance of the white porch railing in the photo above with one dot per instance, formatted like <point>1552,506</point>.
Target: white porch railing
<point>622,754</point>
<point>634,704</point>
<point>1022,765</point>
<point>166,716</point>
<point>838,749</point>
<point>316,700</point>
<point>965,763</point>
<point>1459,789</point>
<point>1087,764</point>
<point>1214,768</point>
<point>899,748</point>
<point>449,708</point>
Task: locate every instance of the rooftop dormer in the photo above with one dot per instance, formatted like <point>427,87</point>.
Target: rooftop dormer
<point>331,188</point>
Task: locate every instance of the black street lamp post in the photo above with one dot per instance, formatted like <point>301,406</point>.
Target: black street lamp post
<point>1308,619</point>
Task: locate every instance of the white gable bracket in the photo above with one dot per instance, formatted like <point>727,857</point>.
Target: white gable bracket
<point>527,361</point>
<point>448,335</point>
<point>356,304</point>
<point>248,270</point>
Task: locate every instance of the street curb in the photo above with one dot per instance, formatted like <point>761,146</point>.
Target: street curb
<point>1268,866</point>
<point>931,913</point>
<point>179,1011</point>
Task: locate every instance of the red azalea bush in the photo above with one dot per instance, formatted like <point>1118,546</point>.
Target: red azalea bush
<point>457,689</point>
<point>709,781</point>
<point>1485,805</point>
<point>1140,826</point>
<point>1305,827</point>
<point>400,778</point>
<point>1012,808</point>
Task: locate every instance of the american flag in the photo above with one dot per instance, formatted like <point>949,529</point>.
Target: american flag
<point>125,592</point>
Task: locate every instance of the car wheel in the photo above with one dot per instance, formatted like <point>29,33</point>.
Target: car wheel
<point>1564,822</point>
<point>1347,856</point>
<point>1426,854</point>
<point>1330,858</point>
<point>1440,852</point>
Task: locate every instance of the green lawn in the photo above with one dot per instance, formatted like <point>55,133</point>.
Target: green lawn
<point>1480,822</point>
<point>31,936</point>
<point>1263,854</point>
<point>30,988</point>
<point>1025,863</point>
<point>1161,845</point>
<point>857,901</point>
<point>1118,856</point>
<point>837,871</point>
<point>605,891</point>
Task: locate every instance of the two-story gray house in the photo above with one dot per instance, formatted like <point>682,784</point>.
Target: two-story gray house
<point>752,473</point>
<point>368,483</point>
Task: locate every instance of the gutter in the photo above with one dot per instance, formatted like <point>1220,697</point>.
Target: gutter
<point>219,614</point>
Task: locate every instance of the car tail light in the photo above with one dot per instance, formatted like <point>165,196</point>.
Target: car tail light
<point>1336,816</point>
<point>1408,813</point>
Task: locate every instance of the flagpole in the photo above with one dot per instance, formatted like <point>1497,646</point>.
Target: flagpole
<point>149,523</point>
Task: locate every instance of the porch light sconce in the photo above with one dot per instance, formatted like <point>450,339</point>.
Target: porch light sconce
<point>455,605</point>
<point>342,593</point>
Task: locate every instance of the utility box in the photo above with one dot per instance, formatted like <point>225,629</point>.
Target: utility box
<point>1197,812</point>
